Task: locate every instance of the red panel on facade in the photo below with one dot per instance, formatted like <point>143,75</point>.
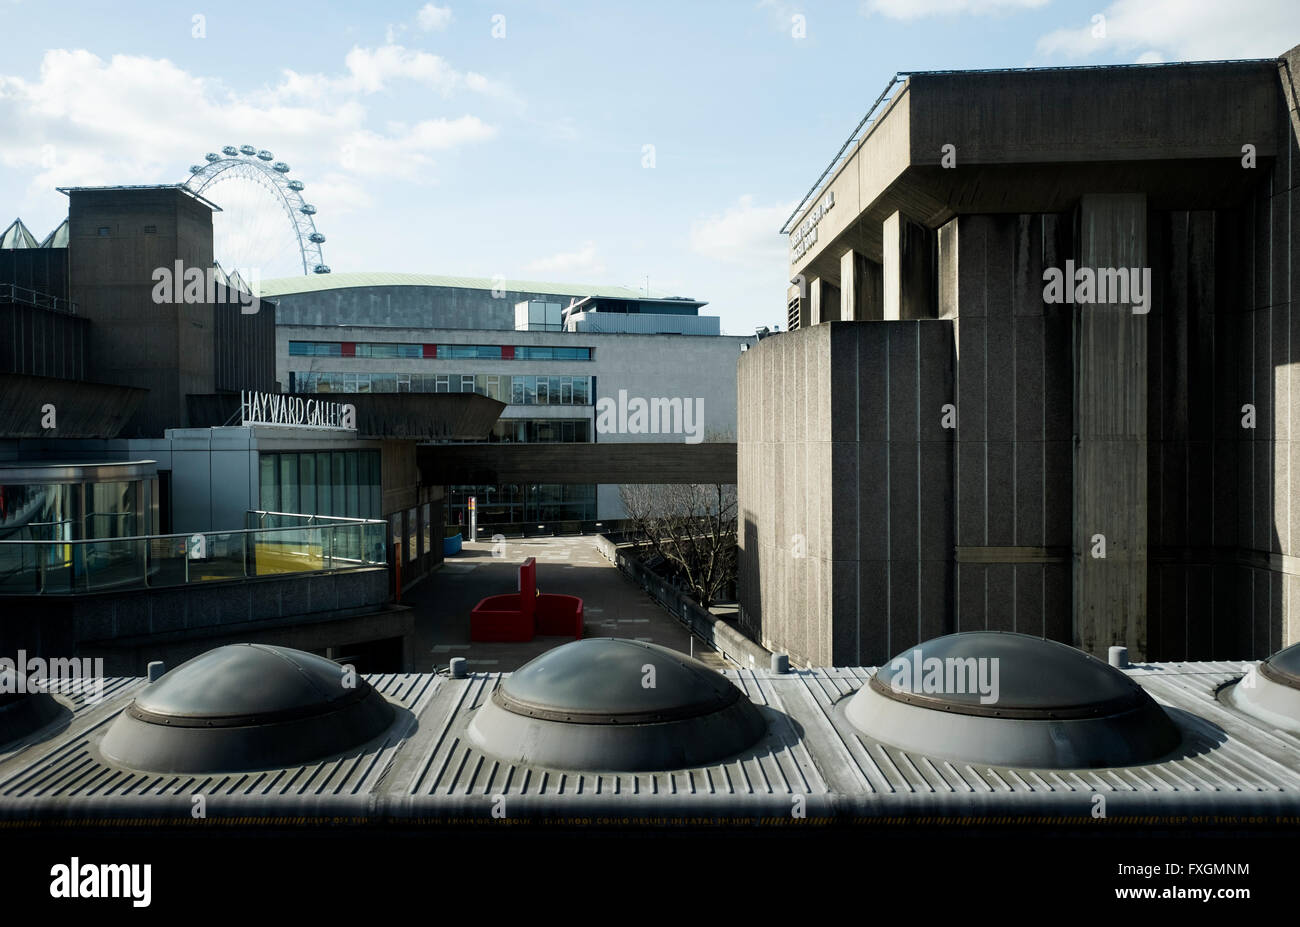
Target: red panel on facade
<point>507,352</point>
<point>349,349</point>
<point>430,350</point>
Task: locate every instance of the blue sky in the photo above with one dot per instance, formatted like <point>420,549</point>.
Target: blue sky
<point>429,144</point>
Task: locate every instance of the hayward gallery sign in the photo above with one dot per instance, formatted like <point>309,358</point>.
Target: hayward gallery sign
<point>278,409</point>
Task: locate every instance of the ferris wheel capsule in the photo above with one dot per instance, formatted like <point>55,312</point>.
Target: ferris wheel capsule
<point>270,175</point>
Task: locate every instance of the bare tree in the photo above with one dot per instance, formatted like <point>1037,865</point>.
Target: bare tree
<point>692,526</point>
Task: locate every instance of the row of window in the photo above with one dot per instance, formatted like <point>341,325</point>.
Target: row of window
<point>343,483</point>
<point>436,351</point>
<point>541,431</point>
<point>517,390</point>
<point>527,502</point>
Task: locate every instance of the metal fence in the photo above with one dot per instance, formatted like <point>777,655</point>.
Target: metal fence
<point>12,293</point>
<point>63,567</point>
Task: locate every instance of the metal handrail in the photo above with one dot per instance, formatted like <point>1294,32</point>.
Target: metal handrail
<point>190,534</point>
<point>816,187</point>
<point>9,292</point>
<point>310,517</point>
<point>80,561</point>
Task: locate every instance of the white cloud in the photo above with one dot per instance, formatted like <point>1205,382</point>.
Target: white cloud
<point>1182,30</point>
<point>581,261</point>
<point>404,152</point>
<point>742,234</point>
<point>374,70</point>
<point>917,9</point>
<point>433,18</point>
<point>84,120</point>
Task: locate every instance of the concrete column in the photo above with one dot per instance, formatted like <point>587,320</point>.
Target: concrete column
<point>1110,460</point>
<point>860,284</point>
<point>824,298</point>
<point>908,288</point>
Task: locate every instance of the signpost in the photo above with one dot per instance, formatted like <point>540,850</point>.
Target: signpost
<point>473,518</point>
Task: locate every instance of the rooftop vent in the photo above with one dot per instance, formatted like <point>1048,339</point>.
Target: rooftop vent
<point>1272,692</point>
<point>618,705</point>
<point>23,711</point>
<point>1011,700</point>
<point>243,707</point>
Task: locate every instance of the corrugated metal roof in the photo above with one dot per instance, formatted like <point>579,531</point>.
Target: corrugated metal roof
<point>426,766</point>
<point>453,766</point>
<point>317,283</point>
<point>72,767</point>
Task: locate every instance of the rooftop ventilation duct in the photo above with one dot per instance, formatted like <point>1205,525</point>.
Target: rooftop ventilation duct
<point>1012,700</point>
<point>616,705</point>
<point>23,711</point>
<point>1272,692</point>
<point>243,707</point>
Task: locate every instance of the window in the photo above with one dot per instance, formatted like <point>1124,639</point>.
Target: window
<point>548,352</point>
<point>442,383</point>
<point>103,231</point>
<point>315,349</point>
<point>151,230</point>
<point>388,349</point>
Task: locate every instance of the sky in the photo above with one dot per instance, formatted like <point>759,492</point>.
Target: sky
<point>615,143</point>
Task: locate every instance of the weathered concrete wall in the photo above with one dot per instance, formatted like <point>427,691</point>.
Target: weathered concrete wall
<point>783,478</point>
<point>165,348</point>
<point>844,472</point>
<point>1110,462</point>
<point>1014,397</point>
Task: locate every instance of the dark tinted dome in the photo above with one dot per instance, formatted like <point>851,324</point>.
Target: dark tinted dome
<point>1035,678</point>
<point>1284,667</point>
<point>1011,700</point>
<point>248,682</point>
<point>246,706</point>
<point>1273,693</point>
<point>617,705</point>
<point>603,680</point>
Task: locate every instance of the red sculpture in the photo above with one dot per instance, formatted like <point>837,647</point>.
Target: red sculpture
<point>522,615</point>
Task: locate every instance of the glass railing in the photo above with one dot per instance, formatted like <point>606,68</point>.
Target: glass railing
<point>37,567</point>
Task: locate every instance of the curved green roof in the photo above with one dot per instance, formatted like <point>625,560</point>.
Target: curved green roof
<point>316,283</point>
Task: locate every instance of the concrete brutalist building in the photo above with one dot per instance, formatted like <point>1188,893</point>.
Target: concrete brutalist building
<point>944,442</point>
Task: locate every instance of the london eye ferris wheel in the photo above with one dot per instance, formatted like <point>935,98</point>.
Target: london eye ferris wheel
<point>250,234</point>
